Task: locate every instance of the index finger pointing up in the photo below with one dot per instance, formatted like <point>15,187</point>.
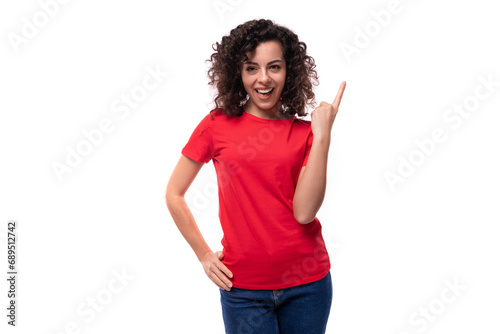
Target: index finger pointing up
<point>336,102</point>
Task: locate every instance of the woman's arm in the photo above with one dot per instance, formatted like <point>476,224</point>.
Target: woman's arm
<point>183,175</point>
<point>311,184</point>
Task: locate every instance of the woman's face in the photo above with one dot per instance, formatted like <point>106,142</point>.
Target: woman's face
<point>263,76</point>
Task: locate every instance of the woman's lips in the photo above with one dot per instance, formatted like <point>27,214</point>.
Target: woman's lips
<point>264,96</point>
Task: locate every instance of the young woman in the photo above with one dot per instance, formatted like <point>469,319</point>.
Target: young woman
<point>274,270</point>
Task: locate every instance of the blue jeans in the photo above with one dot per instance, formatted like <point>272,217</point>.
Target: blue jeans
<point>302,309</point>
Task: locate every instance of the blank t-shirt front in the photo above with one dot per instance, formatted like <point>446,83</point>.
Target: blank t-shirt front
<point>257,162</point>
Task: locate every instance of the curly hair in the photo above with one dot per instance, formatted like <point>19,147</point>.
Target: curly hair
<point>227,62</point>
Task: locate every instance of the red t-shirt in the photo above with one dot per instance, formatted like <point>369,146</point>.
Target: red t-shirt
<point>257,162</point>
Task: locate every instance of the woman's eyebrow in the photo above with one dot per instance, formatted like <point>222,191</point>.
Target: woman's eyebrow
<point>271,62</point>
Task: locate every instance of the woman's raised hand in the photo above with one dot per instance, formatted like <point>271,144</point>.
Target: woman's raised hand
<point>323,116</point>
<point>216,270</point>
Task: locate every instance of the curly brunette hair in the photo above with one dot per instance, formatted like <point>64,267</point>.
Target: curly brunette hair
<point>227,62</point>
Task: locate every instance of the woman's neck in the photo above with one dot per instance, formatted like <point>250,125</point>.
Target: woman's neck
<point>272,114</point>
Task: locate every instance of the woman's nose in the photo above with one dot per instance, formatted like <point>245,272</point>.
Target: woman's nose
<point>264,77</point>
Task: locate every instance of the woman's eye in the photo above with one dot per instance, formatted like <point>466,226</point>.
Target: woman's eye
<point>277,67</point>
<point>250,69</point>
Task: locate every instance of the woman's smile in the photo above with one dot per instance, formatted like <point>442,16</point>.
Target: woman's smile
<point>264,93</point>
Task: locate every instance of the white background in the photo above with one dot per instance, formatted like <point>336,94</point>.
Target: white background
<point>392,250</point>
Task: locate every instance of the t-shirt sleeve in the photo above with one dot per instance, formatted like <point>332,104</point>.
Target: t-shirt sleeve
<point>200,145</point>
<point>308,148</point>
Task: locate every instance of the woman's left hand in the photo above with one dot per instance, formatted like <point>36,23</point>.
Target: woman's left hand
<point>323,116</point>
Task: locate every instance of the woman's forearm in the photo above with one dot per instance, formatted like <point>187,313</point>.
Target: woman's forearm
<point>311,186</point>
<point>186,224</point>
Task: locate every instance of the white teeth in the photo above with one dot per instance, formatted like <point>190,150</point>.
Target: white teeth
<point>264,91</point>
